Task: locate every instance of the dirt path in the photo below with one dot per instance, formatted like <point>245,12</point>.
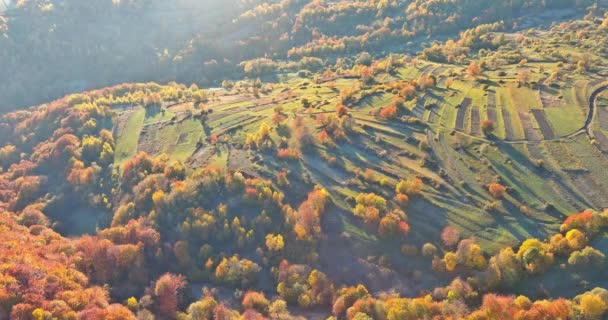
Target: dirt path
<point>593,109</point>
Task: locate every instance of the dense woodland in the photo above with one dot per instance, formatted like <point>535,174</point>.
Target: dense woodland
<point>173,238</point>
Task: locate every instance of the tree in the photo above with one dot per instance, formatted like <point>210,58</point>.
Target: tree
<point>575,239</point>
<point>302,285</point>
<point>221,312</point>
<point>388,112</point>
<point>366,74</point>
<point>487,126</point>
<point>368,200</point>
<point>202,309</point>
<point>402,308</point>
<point>408,91</point>
<point>508,266</point>
<point>398,102</point>
<point>264,131</point>
<point>469,254</point>
<point>391,225</point>
<point>402,199</point>
<point>256,301</point>
<point>535,255</point>
<point>450,236</point>
<point>582,221</point>
<point>274,242</point>
<point>282,179</point>
<point>289,154</point>
<point>411,187</point>
<point>451,261</point>
<point>497,190</point>
<point>237,271</point>
<point>278,310</point>
<point>586,258</point>
<point>38,314</point>
<point>259,139</point>
<point>110,312</point>
<point>308,220</point>
<point>175,170</point>
<point>166,291</point>
<point>474,70</point>
<point>364,58</point>
<point>132,304</point>
<point>138,167</point>
<point>107,154</point>
<point>425,82</point>
<point>429,250</point>
<point>592,306</point>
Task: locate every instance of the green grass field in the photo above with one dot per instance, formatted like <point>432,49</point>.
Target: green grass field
<point>128,136</point>
<point>391,150</point>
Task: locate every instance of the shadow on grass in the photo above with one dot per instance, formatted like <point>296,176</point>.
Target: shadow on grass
<point>523,161</point>
<point>152,110</point>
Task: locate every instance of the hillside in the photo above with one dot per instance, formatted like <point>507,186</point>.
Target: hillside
<point>339,160</point>
<point>206,43</point>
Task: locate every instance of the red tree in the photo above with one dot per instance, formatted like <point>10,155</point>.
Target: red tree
<point>450,236</point>
<point>166,291</point>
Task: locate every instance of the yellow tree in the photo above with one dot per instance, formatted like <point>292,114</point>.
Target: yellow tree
<point>274,242</point>
<point>592,306</point>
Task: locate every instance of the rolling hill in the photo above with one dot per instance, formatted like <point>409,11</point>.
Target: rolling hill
<point>345,160</point>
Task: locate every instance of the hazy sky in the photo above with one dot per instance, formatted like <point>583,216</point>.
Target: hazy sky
<point>3,2</point>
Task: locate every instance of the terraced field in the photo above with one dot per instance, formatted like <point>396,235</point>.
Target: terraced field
<point>546,159</point>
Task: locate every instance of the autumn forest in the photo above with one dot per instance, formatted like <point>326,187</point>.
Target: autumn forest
<point>297,159</point>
